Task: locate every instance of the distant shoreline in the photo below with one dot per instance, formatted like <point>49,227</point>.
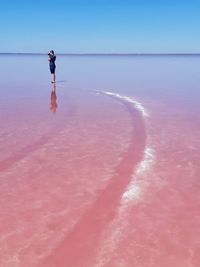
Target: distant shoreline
<point>104,54</point>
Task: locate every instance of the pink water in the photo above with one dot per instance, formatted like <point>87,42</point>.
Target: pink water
<point>104,171</point>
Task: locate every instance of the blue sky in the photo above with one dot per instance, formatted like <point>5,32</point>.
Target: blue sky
<point>102,26</point>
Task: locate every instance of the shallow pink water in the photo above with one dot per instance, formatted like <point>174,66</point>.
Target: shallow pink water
<point>111,178</point>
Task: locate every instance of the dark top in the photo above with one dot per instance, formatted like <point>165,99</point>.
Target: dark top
<point>52,60</point>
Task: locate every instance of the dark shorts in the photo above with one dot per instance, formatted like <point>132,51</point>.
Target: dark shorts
<point>52,68</point>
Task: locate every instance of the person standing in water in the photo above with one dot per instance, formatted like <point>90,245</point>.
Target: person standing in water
<point>52,65</point>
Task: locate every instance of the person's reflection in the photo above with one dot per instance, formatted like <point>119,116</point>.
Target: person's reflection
<point>53,104</point>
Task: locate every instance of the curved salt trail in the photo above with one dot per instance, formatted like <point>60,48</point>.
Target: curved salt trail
<point>134,190</point>
<point>114,232</point>
<point>136,104</point>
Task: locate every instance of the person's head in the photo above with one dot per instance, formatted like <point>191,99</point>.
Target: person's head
<point>51,53</point>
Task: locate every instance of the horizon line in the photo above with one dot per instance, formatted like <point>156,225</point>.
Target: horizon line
<point>107,54</point>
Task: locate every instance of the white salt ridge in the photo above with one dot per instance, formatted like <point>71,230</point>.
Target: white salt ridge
<point>116,230</point>
<point>134,190</point>
<point>113,234</point>
<point>136,104</point>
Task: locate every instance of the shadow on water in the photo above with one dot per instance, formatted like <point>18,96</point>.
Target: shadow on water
<point>61,81</point>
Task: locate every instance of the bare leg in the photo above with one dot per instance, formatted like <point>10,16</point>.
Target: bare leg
<point>53,87</point>
<point>53,78</point>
